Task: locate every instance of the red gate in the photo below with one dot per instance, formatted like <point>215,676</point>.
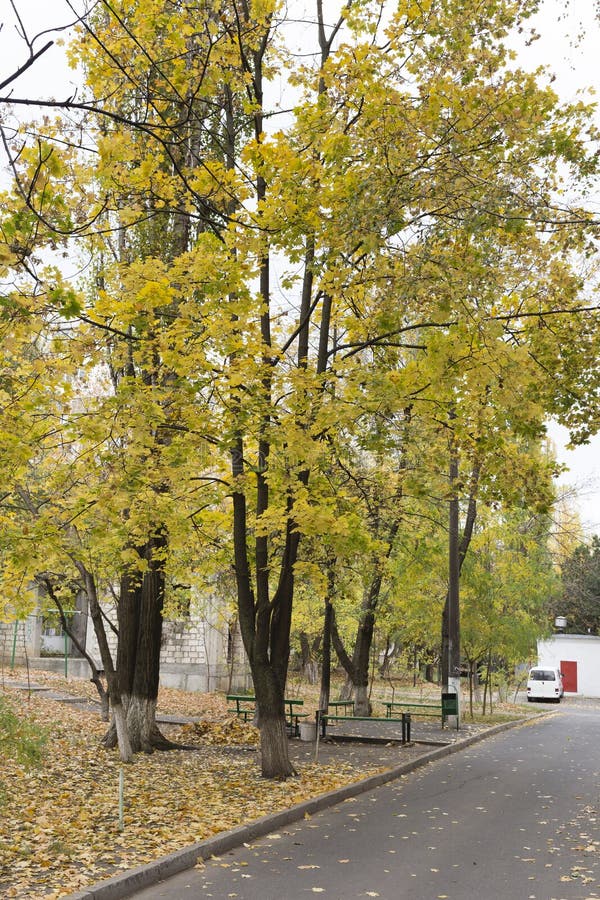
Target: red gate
<point>569,671</point>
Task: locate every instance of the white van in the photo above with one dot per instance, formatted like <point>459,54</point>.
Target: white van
<point>545,683</point>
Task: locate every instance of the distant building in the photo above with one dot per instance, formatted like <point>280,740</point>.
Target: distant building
<point>200,651</point>
<point>578,658</point>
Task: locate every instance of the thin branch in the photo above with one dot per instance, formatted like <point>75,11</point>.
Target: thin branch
<point>16,74</point>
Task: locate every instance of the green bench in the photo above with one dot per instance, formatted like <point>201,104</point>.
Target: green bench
<point>420,709</point>
<point>447,707</point>
<point>242,710</point>
<point>326,719</point>
<point>245,708</point>
<point>346,705</point>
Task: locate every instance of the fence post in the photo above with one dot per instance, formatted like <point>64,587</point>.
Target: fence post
<point>14,646</point>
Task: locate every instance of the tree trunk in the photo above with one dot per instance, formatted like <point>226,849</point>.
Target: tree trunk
<point>347,691</point>
<point>138,652</point>
<point>309,662</point>
<point>444,650</point>
<point>121,734</point>
<point>389,654</point>
<point>265,622</point>
<point>357,667</point>
<point>462,552</point>
<point>144,733</point>
<point>360,668</point>
<point>304,649</point>
<point>265,628</point>
<point>275,758</point>
<point>471,670</point>
<point>362,704</point>
<point>79,624</point>
<point>488,683</point>
<point>275,761</point>
<point>75,636</point>
<point>326,667</point>
<point>269,688</point>
<point>453,604</point>
<point>485,690</point>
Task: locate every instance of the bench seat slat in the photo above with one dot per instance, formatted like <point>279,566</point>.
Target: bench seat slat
<point>360,718</point>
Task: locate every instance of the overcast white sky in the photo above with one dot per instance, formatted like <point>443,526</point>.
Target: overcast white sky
<point>569,44</point>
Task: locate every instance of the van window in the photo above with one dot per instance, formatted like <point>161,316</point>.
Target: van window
<point>542,675</point>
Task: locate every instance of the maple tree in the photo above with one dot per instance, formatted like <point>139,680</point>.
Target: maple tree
<point>507,581</point>
<point>259,290</point>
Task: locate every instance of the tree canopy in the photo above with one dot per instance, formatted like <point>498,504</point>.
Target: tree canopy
<point>579,600</point>
<point>306,283</point>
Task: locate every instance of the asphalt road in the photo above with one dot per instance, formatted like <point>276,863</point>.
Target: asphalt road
<point>515,817</point>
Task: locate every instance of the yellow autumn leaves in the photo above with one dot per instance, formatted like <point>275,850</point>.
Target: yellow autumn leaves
<point>59,827</point>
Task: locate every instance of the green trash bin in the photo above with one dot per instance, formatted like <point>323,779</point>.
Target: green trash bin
<point>449,706</point>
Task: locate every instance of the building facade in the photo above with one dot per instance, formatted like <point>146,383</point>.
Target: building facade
<point>578,658</point>
<point>200,652</point>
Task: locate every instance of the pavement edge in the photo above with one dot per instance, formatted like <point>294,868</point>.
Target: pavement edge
<point>127,883</point>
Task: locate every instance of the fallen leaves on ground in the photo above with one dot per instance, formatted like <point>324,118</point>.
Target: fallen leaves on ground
<point>59,824</point>
<point>231,732</point>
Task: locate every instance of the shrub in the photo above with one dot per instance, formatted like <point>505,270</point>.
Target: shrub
<point>20,739</point>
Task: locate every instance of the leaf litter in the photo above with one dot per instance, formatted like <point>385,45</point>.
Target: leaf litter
<point>59,822</point>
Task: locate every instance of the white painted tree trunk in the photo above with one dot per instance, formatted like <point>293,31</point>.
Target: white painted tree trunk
<point>123,742</point>
<point>362,707</point>
<point>275,759</point>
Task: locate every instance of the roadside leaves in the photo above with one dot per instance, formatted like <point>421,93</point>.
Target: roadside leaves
<point>59,820</point>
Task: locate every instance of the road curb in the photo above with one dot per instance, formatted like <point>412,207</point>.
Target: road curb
<point>126,883</point>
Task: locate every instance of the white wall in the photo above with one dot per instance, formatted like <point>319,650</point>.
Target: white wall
<point>193,654</point>
<point>584,649</point>
<point>22,637</point>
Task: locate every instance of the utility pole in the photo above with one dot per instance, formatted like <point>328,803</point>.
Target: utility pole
<point>453,577</point>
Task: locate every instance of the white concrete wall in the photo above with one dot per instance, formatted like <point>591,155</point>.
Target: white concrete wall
<point>584,649</point>
<point>193,655</point>
<point>23,637</point>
